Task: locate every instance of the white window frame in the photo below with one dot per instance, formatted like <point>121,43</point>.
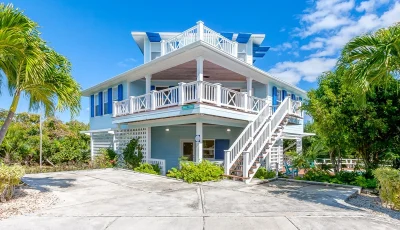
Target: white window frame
<point>187,141</point>
<point>279,93</point>
<point>105,102</point>
<point>96,103</point>
<point>115,93</point>
<point>213,149</point>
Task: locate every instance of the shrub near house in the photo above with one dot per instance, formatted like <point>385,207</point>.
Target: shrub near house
<point>10,176</point>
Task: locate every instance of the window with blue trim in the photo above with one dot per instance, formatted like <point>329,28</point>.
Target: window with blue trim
<point>96,105</point>
<point>105,102</point>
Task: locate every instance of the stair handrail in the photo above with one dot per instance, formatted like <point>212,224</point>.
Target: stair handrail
<point>243,140</point>
<point>264,135</point>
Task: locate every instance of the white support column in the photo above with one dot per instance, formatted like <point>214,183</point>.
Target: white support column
<point>199,142</point>
<point>148,83</point>
<point>246,102</point>
<point>218,94</point>
<point>91,147</point>
<point>249,86</point>
<point>163,47</point>
<point>148,144</point>
<point>200,61</point>
<point>181,93</point>
<point>200,31</point>
<point>299,145</point>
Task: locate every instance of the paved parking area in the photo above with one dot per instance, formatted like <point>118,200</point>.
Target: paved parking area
<point>119,199</point>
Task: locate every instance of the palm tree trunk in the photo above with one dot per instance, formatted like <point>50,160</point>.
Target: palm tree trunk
<point>10,115</point>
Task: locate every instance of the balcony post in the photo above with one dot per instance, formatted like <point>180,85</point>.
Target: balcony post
<point>199,91</point>
<point>199,142</point>
<point>235,49</point>
<point>246,102</point>
<point>218,94</point>
<point>162,47</point>
<point>131,104</point>
<point>114,108</point>
<point>200,31</point>
<point>181,93</point>
<point>148,83</point>
<point>153,100</point>
<point>249,86</point>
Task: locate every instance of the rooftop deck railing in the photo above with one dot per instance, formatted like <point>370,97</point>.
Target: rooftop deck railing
<point>199,33</point>
<point>186,93</point>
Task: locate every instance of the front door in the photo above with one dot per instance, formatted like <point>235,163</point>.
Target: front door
<point>188,149</point>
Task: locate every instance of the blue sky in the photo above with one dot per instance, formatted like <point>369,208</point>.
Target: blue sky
<point>306,36</point>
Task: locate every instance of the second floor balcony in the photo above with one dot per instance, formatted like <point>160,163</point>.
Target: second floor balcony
<point>186,94</point>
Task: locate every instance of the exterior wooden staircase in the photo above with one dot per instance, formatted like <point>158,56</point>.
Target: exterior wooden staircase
<point>254,144</point>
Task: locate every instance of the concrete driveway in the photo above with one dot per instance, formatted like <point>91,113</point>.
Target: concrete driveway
<point>119,199</point>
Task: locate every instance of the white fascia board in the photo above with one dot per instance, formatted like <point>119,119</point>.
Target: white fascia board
<point>190,52</point>
<point>96,131</point>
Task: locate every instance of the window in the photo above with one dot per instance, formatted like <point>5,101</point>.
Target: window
<point>158,88</point>
<point>115,94</point>
<point>96,105</point>
<point>280,96</point>
<point>209,149</point>
<point>105,102</point>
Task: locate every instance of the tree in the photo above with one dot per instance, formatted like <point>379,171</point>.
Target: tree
<point>371,132</point>
<point>33,69</point>
<point>372,58</point>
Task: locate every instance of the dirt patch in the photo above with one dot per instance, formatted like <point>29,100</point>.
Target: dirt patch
<point>26,200</point>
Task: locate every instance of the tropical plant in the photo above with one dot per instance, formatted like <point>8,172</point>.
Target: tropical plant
<point>107,158</point>
<point>148,168</point>
<point>372,58</point>
<point>33,69</point>
<point>389,186</point>
<point>262,174</point>
<point>10,176</point>
<point>133,154</point>
<point>193,172</point>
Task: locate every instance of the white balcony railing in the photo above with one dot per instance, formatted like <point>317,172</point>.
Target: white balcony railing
<point>185,93</point>
<point>199,33</point>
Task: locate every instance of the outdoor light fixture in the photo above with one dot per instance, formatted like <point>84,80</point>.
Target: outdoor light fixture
<point>228,130</point>
<point>167,130</point>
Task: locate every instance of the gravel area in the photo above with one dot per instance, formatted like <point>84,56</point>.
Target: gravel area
<point>372,203</point>
<point>26,200</point>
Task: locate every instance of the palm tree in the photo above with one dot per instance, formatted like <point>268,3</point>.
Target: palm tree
<point>373,58</point>
<point>33,69</point>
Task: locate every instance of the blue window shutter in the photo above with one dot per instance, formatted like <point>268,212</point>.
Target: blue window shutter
<point>274,98</point>
<point>110,101</point>
<point>293,96</point>
<point>220,146</point>
<point>301,99</point>
<point>92,105</point>
<point>152,88</point>
<point>100,103</point>
<point>120,93</point>
<point>284,94</point>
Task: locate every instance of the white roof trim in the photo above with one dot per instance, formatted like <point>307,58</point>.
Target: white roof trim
<point>125,76</point>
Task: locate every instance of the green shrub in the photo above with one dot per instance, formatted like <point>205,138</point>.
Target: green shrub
<point>148,168</point>
<point>263,174</point>
<point>57,168</point>
<point>10,176</point>
<point>133,153</point>
<point>389,186</point>
<point>192,172</point>
<point>317,175</point>
<point>364,182</point>
<point>106,159</point>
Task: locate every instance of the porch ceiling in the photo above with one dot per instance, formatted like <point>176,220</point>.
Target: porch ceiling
<point>187,71</point>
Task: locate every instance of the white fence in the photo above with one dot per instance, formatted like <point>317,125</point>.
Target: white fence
<point>198,91</point>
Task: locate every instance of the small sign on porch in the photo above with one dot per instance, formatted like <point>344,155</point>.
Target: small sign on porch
<point>197,138</point>
<point>188,107</point>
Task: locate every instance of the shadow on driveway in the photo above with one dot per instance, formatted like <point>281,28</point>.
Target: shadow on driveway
<point>46,183</point>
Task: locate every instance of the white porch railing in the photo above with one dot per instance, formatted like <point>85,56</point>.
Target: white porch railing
<point>160,163</point>
<point>185,93</point>
<point>199,33</point>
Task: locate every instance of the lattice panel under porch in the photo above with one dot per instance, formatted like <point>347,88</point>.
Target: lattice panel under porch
<point>102,140</point>
<point>123,136</point>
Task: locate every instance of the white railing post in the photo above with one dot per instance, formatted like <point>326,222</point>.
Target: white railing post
<point>245,165</point>
<point>115,108</point>
<point>246,102</point>
<point>131,104</point>
<point>200,31</point>
<point>227,161</point>
<point>218,94</point>
<point>235,49</point>
<point>163,47</point>
<point>181,96</point>
<point>153,100</point>
<point>199,91</point>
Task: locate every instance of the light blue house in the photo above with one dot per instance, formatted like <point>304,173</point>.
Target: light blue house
<point>198,95</point>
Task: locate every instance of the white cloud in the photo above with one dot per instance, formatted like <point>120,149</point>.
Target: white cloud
<point>327,26</point>
<point>370,5</point>
<point>307,70</point>
<point>282,47</point>
<point>127,62</point>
